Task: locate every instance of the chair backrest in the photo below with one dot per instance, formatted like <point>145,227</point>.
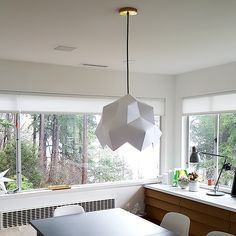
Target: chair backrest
<point>177,223</point>
<point>218,233</point>
<point>68,210</point>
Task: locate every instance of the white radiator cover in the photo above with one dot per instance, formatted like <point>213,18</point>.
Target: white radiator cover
<point>24,216</point>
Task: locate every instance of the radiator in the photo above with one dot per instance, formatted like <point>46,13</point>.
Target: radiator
<point>24,216</point>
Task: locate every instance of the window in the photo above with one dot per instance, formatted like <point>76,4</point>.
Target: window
<point>214,133</point>
<point>59,145</point>
<point>212,128</point>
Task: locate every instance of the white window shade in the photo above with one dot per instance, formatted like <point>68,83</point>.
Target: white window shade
<point>157,104</point>
<point>64,104</point>
<point>52,104</point>
<point>9,102</point>
<point>209,104</point>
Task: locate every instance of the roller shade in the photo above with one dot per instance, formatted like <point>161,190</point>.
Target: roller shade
<point>157,104</point>
<point>209,104</point>
<point>64,104</point>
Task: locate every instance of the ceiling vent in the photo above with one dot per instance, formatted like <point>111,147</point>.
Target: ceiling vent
<point>64,48</point>
<point>95,65</point>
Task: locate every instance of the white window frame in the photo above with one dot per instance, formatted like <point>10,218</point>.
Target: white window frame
<point>16,102</point>
<point>203,105</point>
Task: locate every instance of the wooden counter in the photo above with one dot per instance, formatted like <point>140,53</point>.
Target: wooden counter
<point>207,213</point>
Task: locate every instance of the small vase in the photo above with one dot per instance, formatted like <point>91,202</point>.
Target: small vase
<point>193,186</point>
<point>183,184</point>
<point>210,182</point>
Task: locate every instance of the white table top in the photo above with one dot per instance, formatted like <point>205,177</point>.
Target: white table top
<point>225,202</point>
<point>112,222</point>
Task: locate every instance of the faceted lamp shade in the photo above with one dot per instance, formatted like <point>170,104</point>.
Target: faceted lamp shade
<point>127,120</point>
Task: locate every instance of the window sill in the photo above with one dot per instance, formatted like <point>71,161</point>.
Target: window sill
<point>77,188</point>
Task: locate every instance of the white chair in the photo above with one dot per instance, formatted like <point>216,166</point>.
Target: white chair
<point>177,223</point>
<point>68,210</point>
<point>218,233</point>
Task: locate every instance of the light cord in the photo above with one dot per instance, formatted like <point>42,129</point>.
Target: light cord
<point>127,53</point>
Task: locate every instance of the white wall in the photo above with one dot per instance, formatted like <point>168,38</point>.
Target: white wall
<point>48,78</point>
<point>127,196</point>
<point>218,79</point>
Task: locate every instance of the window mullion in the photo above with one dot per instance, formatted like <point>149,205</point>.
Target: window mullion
<point>216,143</point>
<point>188,142</point>
<point>18,153</point>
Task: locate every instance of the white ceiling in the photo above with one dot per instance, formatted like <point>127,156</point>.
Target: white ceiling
<point>166,37</point>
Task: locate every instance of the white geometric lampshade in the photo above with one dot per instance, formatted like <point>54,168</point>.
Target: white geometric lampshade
<point>127,120</point>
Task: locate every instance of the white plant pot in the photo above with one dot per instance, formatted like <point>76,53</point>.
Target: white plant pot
<point>193,186</point>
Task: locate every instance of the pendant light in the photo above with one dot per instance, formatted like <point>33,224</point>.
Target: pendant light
<point>127,120</point>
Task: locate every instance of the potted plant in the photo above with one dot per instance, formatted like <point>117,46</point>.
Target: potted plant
<point>193,181</point>
<point>183,182</point>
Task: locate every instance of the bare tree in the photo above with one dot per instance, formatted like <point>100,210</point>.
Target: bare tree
<point>42,146</point>
<point>34,130</point>
<point>7,129</point>
<point>85,151</point>
<point>55,149</point>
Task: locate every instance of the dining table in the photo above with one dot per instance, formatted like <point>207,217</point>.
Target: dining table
<point>111,222</point>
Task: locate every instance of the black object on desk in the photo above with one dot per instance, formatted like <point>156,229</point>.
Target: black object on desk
<point>115,222</point>
<point>233,190</point>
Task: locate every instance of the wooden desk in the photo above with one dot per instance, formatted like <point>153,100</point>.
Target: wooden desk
<point>206,213</point>
<point>112,222</point>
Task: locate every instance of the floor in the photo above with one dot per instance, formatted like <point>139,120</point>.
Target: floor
<point>25,230</point>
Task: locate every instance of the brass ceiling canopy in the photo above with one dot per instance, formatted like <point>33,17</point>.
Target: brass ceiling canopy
<point>125,10</point>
